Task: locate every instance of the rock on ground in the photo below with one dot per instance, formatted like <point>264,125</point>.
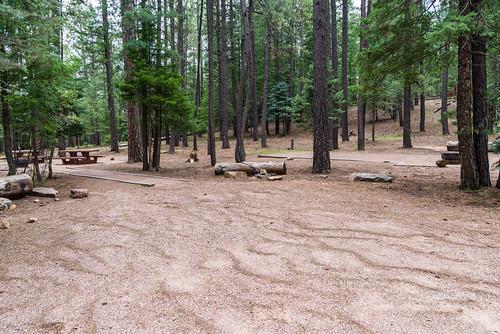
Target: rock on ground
<point>5,203</point>
<point>236,175</point>
<point>79,193</point>
<point>44,192</point>
<point>356,177</point>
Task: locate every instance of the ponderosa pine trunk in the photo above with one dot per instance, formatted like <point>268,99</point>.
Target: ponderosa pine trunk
<point>198,75</point>
<point>479,109</point>
<point>422,112</point>
<point>109,79</point>
<point>253,77</point>
<point>407,102</point>
<point>468,173</point>
<point>234,63</point>
<point>345,124</point>
<point>277,75</point>
<point>223,89</point>
<point>444,99</point>
<point>133,119</point>
<point>361,100</point>
<point>334,122</point>
<point>239,152</point>
<point>211,109</point>
<point>322,53</point>
<point>7,134</point>
<point>263,134</point>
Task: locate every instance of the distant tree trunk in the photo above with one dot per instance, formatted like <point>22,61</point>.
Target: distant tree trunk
<point>133,123</point>
<point>361,100</point>
<point>288,121</point>
<point>374,117</point>
<point>223,90</point>
<point>422,112</point>
<point>302,54</point>
<point>479,109</point>
<point>277,75</point>
<point>345,125</point>
<point>239,152</point>
<point>334,123</point>
<point>400,110</point>
<point>109,79</point>
<point>173,139</point>
<point>263,135</point>
<point>253,77</point>
<point>407,117</point>
<point>198,75</point>
<point>321,41</point>
<point>234,62</point>
<point>211,111</point>
<point>173,59</point>
<point>469,178</point>
<point>444,99</point>
<point>6,127</point>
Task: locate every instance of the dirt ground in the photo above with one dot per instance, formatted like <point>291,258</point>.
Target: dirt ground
<point>307,254</point>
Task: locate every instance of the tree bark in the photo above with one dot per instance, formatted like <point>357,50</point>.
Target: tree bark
<point>239,152</point>
<point>211,111</point>
<point>422,112</point>
<point>468,174</point>
<point>253,77</point>
<point>109,79</point>
<point>7,134</point>
<point>444,99</point>
<point>334,122</point>
<point>407,117</point>
<point>133,123</point>
<point>198,76</point>
<point>479,109</point>
<point>345,125</point>
<point>223,89</point>
<point>361,100</point>
<point>322,53</point>
<point>263,135</point>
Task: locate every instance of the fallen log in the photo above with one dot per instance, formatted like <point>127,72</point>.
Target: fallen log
<point>436,110</point>
<point>15,185</point>
<point>251,168</point>
<point>453,146</point>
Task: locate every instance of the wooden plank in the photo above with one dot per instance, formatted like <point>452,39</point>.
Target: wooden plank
<point>108,179</point>
<point>133,174</point>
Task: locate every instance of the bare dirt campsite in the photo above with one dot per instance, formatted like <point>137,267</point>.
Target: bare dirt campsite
<point>305,254</point>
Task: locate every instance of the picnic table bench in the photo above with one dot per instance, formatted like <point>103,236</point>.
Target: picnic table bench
<point>23,157</point>
<point>79,157</point>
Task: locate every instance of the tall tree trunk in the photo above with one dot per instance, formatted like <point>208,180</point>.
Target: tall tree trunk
<point>109,79</point>
<point>334,123</point>
<point>321,41</point>
<point>223,89</point>
<point>345,120</point>
<point>7,134</point>
<point>469,178</point>
<point>239,152</point>
<point>211,111</point>
<point>277,75</point>
<point>234,62</point>
<point>407,117</point>
<point>479,109</point>
<point>263,134</point>
<point>253,77</point>
<point>361,100</point>
<point>422,112</point>
<point>444,98</point>
<point>133,123</point>
<point>198,75</point>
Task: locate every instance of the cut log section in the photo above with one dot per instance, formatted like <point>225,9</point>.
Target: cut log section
<point>251,168</point>
<point>15,185</point>
<point>452,146</point>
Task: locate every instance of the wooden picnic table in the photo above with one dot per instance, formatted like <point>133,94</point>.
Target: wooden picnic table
<point>79,156</point>
<point>22,157</point>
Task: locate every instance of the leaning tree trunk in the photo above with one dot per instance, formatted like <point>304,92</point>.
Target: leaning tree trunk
<point>321,41</point>
<point>468,174</point>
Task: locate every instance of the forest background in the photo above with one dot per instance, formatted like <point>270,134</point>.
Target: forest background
<point>77,73</point>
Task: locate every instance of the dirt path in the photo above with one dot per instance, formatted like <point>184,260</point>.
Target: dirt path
<point>308,254</point>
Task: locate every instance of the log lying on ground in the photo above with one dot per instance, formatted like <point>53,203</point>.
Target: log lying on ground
<point>251,168</point>
<point>436,110</point>
<point>15,185</point>
<point>453,146</point>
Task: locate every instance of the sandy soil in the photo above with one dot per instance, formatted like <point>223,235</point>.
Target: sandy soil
<point>308,254</point>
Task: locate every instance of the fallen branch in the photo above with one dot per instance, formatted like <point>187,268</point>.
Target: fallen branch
<point>108,179</point>
<point>134,174</point>
<point>435,111</point>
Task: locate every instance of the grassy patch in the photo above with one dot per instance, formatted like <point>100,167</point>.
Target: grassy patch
<point>389,138</point>
<point>282,151</point>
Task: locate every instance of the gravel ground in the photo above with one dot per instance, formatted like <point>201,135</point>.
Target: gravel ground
<point>308,254</point>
